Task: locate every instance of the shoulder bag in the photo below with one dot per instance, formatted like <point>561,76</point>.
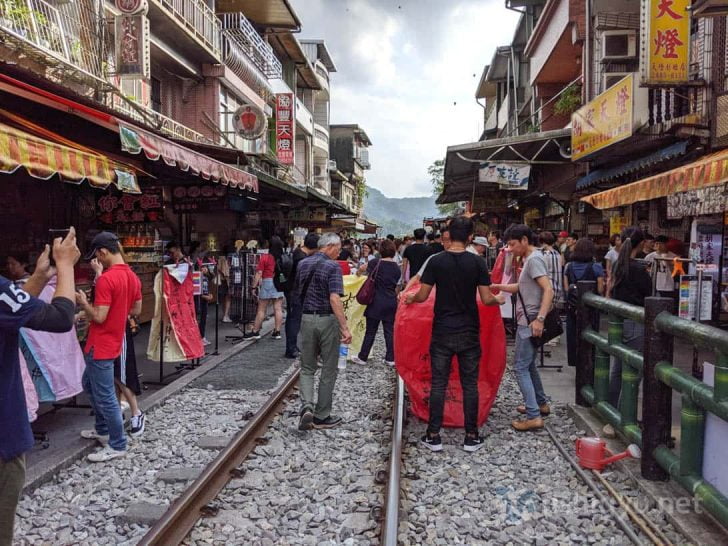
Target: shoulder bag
<point>365,296</point>
<point>551,326</point>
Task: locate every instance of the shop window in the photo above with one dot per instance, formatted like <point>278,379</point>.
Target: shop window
<point>156,95</point>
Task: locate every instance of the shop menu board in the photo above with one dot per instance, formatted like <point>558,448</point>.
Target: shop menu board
<point>689,297</point>
<point>199,198</point>
<point>128,208</point>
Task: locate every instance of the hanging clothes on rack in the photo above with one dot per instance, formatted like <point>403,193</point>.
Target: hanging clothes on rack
<point>54,361</point>
<point>174,303</point>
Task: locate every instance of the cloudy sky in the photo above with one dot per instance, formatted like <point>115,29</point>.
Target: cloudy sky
<point>407,73</point>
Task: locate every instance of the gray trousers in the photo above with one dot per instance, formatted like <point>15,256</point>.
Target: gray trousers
<point>12,480</point>
<point>320,335</point>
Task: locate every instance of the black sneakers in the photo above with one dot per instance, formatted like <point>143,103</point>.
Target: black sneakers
<point>330,422</point>
<point>251,335</point>
<point>472,443</point>
<point>433,443</point>
<point>276,335</point>
<point>306,420</point>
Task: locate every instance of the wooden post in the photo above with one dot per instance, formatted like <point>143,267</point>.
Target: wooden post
<point>584,350</point>
<point>657,397</point>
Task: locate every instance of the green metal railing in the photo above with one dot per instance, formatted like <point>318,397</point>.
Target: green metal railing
<point>651,365</point>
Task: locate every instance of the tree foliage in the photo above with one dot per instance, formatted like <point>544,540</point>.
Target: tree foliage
<point>437,178</point>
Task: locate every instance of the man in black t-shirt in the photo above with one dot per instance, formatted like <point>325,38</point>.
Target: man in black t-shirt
<point>455,329</point>
<point>415,254</point>
<point>295,311</point>
<point>435,243</point>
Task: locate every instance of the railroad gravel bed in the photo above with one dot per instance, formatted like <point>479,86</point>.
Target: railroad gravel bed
<point>314,487</point>
<point>516,489</point>
<point>86,502</point>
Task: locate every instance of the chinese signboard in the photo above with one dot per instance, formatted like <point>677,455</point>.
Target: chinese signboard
<point>132,7</point>
<point>128,208</point>
<point>132,46</point>
<point>604,121</point>
<point>668,35</point>
<point>250,122</point>
<point>510,176</point>
<point>199,198</point>
<point>700,202</point>
<point>285,127</point>
<point>617,224</point>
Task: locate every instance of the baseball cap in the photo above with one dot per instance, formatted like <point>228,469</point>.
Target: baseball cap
<point>106,240</point>
<point>563,233</point>
<point>480,241</point>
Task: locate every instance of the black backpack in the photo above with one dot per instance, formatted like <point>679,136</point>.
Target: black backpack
<point>283,275</point>
<point>572,294</point>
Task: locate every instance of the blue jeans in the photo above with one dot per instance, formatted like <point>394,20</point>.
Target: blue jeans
<point>293,324</point>
<point>443,348</point>
<point>529,380</point>
<point>633,336</point>
<point>98,382</point>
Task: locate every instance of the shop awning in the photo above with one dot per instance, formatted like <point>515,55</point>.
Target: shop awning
<point>135,140</point>
<point>711,170</point>
<point>42,159</point>
<point>604,175</point>
<point>463,162</point>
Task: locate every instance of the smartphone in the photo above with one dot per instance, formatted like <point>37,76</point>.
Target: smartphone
<point>53,234</point>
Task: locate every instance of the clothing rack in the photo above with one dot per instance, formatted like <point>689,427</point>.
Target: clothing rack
<point>243,303</point>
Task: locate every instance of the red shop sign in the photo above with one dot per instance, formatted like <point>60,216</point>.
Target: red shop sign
<point>285,127</point>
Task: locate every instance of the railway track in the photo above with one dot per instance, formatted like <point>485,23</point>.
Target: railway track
<point>183,513</point>
<point>633,522</point>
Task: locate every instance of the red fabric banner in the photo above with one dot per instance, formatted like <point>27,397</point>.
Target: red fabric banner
<point>180,306</point>
<point>412,335</point>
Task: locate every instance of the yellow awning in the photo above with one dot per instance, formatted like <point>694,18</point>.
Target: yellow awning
<point>42,159</point>
<point>710,170</point>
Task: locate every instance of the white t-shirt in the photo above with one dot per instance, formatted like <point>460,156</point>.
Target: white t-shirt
<point>663,270</point>
<point>612,255</point>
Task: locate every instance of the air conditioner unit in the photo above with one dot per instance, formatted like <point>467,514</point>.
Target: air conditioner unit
<point>610,78</point>
<point>332,164</point>
<point>619,44</point>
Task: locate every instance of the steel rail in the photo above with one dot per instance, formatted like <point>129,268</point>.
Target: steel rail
<point>390,525</point>
<point>177,522</point>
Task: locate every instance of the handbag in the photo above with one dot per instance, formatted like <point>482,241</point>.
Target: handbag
<point>551,326</point>
<point>365,296</point>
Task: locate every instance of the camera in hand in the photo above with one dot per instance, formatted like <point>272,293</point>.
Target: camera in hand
<point>53,235</point>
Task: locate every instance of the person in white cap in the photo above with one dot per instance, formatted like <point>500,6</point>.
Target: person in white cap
<point>478,246</point>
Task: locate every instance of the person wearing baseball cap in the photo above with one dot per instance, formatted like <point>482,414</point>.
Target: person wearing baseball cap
<point>117,294</point>
<point>561,241</point>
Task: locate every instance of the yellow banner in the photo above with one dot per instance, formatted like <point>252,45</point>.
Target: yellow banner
<point>617,224</point>
<point>669,35</point>
<point>354,312</point>
<point>604,121</point>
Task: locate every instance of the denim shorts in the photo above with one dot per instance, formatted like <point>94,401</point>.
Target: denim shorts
<point>268,290</point>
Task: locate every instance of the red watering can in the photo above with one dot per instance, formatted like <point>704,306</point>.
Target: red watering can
<point>593,453</point>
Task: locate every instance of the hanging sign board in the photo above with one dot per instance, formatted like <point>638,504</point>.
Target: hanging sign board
<point>700,202</point>
<point>510,176</point>
<point>250,122</point>
<point>285,128</point>
<point>668,34</point>
<point>132,46</point>
<point>604,121</point>
<point>128,208</point>
<point>689,295</point>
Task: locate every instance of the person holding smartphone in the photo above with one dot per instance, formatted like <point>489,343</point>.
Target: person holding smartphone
<point>20,308</point>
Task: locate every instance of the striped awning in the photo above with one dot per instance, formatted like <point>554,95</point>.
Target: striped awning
<point>135,140</point>
<point>710,170</point>
<point>42,159</point>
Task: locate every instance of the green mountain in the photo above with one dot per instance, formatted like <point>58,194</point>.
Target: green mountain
<point>398,216</point>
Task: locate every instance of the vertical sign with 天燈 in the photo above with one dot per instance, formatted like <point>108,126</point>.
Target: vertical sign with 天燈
<point>666,41</point>
<point>285,128</point>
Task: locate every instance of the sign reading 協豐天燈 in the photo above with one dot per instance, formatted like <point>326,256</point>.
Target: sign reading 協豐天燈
<point>667,37</point>
<point>285,127</point>
<point>604,121</point>
<point>514,176</point>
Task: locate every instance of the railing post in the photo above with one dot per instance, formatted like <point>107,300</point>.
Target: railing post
<point>692,429</point>
<point>657,397</point>
<point>720,381</point>
<point>584,351</point>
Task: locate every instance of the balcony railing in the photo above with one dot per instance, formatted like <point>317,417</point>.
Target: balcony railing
<point>320,134</point>
<point>239,30</point>
<point>67,33</point>
<point>198,19</point>
<point>237,59</point>
<point>677,105</point>
<point>154,119</point>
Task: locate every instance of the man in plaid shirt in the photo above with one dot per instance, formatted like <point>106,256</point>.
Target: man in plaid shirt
<point>319,287</point>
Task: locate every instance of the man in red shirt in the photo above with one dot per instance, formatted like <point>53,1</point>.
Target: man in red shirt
<point>117,295</point>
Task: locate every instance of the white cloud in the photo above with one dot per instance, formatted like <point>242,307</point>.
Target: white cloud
<point>408,70</point>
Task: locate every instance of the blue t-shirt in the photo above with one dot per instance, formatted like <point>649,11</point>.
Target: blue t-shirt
<point>580,268</point>
<point>17,307</point>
